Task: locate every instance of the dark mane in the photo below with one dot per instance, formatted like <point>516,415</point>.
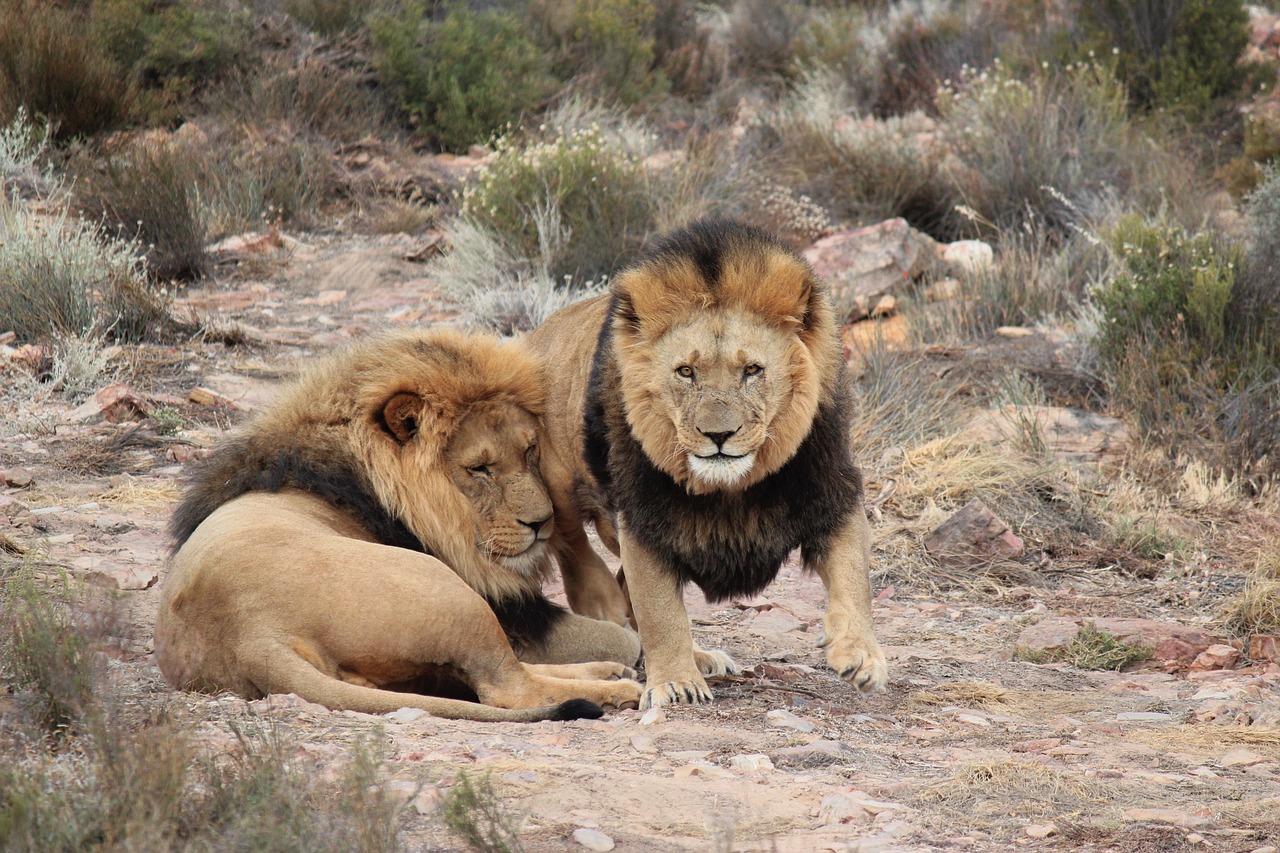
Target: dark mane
<point>250,463</point>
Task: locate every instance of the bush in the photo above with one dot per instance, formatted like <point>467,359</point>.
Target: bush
<point>861,170</point>
<point>173,45</point>
<point>22,146</point>
<point>604,47</point>
<point>150,194</point>
<point>329,17</point>
<point>578,198</point>
<point>461,78</point>
<point>1056,148</point>
<point>65,278</point>
<point>51,63</point>
<point>1171,54</point>
<point>266,181</point>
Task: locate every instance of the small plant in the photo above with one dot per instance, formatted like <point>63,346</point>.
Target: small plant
<point>329,17</point>
<point>166,419</point>
<point>1092,648</point>
<point>22,145</point>
<point>461,78</point>
<point>1255,610</point>
<point>1171,54</point>
<point>605,47</point>
<point>150,194</point>
<point>578,198</point>
<point>476,814</point>
<point>64,278</point>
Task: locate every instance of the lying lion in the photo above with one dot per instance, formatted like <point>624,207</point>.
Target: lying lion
<point>381,532</point>
<point>699,415</point>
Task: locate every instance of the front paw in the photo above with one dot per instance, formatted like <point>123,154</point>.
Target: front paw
<point>715,663</point>
<point>691,691</point>
<point>861,663</point>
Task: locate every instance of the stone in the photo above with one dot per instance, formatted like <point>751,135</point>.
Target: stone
<point>1241,758</point>
<point>593,839</point>
<point>1217,656</point>
<point>968,255</point>
<point>943,290</point>
<point>405,715</point>
<point>17,478</point>
<point>644,744</point>
<point>1144,717</point>
<point>864,264</point>
<point>1265,647</point>
<point>652,716</point>
<point>838,808</point>
<point>973,536</point>
<point>126,578</point>
<point>820,753</point>
<point>787,720</point>
<point>1173,817</point>
<point>751,763</point>
<point>1014,332</point>
<point>1072,435</point>
<point>242,245</point>
<point>428,800</point>
<point>1040,830</point>
<point>208,397</point>
<point>116,402</point>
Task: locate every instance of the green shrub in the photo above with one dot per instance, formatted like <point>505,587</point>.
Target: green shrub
<point>150,193</point>
<point>862,170</point>
<point>329,17</point>
<point>605,47</point>
<point>65,278</point>
<point>1171,54</point>
<point>1056,148</point>
<point>51,63</point>
<point>476,814</point>
<point>461,78</point>
<point>578,198</point>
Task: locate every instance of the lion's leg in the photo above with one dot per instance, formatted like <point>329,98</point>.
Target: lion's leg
<point>577,639</point>
<point>714,661</point>
<point>597,670</point>
<point>671,669</point>
<point>588,583</point>
<point>847,631</point>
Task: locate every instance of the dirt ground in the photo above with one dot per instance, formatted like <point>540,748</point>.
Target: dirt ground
<point>969,749</point>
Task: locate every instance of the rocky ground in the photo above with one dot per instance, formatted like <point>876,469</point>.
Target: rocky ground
<point>973,747</point>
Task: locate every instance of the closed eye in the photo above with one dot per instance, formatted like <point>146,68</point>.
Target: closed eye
<point>478,470</point>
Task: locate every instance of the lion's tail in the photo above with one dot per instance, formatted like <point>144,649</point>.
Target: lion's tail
<point>295,675</point>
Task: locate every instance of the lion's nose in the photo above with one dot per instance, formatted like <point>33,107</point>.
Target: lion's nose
<point>720,437</point>
<point>537,526</point>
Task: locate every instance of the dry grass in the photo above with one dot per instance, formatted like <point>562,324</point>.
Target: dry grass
<point>1094,649</point>
<point>476,814</point>
<point>1256,610</point>
<point>972,694</point>
<point>140,494</point>
<point>1009,792</point>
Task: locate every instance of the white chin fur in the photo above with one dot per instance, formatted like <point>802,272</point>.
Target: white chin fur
<point>528,564</point>
<point>721,470</point>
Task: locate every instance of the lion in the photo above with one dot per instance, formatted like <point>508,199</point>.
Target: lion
<point>698,415</point>
<point>381,532</point>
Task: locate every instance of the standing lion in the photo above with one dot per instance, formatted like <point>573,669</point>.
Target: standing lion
<point>699,415</point>
<point>381,532</point>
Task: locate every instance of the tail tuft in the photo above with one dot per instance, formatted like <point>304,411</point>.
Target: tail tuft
<point>578,709</point>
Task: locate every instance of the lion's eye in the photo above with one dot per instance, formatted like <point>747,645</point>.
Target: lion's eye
<point>752,370</point>
<point>684,371</point>
<point>478,470</point>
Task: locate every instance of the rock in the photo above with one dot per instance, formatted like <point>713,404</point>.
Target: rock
<point>1217,656</point>
<point>1173,817</point>
<point>1072,435</point>
<point>864,264</point>
<point>837,809</point>
<point>820,753</point>
<point>1040,830</point>
<point>644,744</point>
<point>751,763</point>
<point>428,800</point>
<point>399,791</point>
<point>113,524</point>
<point>243,245</point>
<point>17,478</point>
<point>968,255</point>
<point>704,769</point>
<point>127,578</point>
<point>1037,745</point>
<point>787,720</point>
<point>972,536</point>
<point>208,397</point>
<point>116,402</point>
<point>405,715</point>
<point>1265,647</point>
<point>1014,332</point>
<point>593,839</point>
<point>943,290</point>
<point>1241,758</point>
<point>1144,717</point>
<point>652,716</point>
<point>1170,643</point>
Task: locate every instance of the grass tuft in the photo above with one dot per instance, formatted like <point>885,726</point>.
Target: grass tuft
<point>1093,648</point>
<point>477,815</point>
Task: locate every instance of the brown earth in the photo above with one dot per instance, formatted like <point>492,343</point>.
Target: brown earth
<point>969,749</point>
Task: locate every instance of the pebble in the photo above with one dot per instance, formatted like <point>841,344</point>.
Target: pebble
<point>643,743</point>
<point>751,763</point>
<point>1240,758</point>
<point>406,715</point>
<point>787,720</point>
<point>593,839</point>
<point>1144,717</point>
<point>820,753</point>
<point>1040,830</point>
<point>1173,817</point>
<point>653,715</point>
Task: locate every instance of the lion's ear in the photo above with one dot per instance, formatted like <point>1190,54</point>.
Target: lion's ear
<point>402,415</point>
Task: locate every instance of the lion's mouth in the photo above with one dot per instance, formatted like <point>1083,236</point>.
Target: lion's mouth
<point>528,562</point>
<point>721,469</point>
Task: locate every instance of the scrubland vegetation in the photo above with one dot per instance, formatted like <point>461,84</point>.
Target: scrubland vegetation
<point>1120,158</point>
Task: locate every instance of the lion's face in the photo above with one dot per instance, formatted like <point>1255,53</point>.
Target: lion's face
<point>706,400</point>
<point>492,460</point>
